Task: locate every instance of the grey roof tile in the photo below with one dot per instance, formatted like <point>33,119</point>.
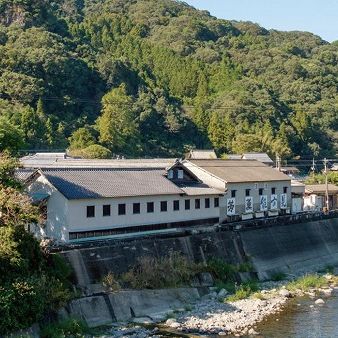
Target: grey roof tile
<point>104,183</point>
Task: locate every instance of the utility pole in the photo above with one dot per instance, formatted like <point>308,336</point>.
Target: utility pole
<point>313,168</point>
<point>278,162</point>
<point>326,185</point>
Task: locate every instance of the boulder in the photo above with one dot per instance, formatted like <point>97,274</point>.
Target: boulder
<point>222,293</point>
<point>206,279</point>
<point>319,302</point>
<point>284,293</point>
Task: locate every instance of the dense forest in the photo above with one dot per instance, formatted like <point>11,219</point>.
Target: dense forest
<point>157,77</point>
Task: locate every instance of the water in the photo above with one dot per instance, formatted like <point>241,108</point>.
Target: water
<point>302,321</point>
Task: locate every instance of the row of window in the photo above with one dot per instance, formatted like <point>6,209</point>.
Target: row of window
<point>260,192</point>
<point>106,209</point>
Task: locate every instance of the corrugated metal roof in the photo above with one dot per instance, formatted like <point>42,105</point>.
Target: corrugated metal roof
<point>104,183</point>
<point>200,154</point>
<point>237,171</point>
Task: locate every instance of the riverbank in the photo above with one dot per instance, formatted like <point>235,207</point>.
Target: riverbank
<point>219,316</point>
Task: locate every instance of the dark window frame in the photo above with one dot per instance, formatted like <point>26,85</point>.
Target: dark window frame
<point>150,207</point>
<point>285,190</point>
<point>106,210</point>
<point>216,202</point>
<point>136,208</point>
<point>260,191</point>
<point>122,210</point>
<point>176,205</point>
<point>164,206</point>
<point>207,203</point>
<point>187,204</point>
<point>273,191</point>
<point>197,203</point>
<point>233,193</point>
<point>90,211</point>
<point>247,192</point>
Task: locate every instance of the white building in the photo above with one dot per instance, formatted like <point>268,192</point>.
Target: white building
<point>98,202</point>
<point>251,188</point>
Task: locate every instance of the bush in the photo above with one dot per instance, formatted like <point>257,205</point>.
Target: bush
<point>94,151</point>
<point>221,270</point>
<point>278,276</point>
<point>65,329</point>
<point>22,303</point>
<point>109,281</point>
<point>152,273</point>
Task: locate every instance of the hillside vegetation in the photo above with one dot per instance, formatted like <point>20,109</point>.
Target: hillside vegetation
<point>156,77</point>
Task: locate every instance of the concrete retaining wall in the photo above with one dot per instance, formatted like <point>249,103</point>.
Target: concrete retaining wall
<point>293,249</point>
<point>127,305</point>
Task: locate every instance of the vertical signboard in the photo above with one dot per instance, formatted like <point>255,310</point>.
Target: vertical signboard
<point>263,201</point>
<point>248,204</point>
<point>274,202</point>
<point>231,206</point>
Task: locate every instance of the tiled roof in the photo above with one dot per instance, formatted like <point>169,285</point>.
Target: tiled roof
<point>238,171</point>
<point>200,154</point>
<point>84,183</point>
<point>320,188</point>
<point>23,174</point>
<point>40,162</point>
<point>199,189</point>
<point>262,157</point>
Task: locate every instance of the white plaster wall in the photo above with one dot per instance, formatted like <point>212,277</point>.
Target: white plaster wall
<point>78,220</point>
<point>57,209</point>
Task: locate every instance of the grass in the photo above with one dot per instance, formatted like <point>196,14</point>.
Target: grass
<point>69,328</point>
<point>244,291</point>
<point>307,282</point>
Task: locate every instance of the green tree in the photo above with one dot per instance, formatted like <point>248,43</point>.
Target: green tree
<point>11,138</point>
<point>81,138</point>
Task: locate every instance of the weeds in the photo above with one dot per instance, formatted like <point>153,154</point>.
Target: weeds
<point>278,276</point>
<point>65,329</point>
<point>109,281</point>
<point>243,291</point>
<point>307,282</point>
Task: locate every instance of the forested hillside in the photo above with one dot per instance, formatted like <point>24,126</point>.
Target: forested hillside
<point>155,77</point>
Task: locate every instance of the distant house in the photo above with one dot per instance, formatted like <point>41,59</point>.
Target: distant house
<point>297,195</point>
<point>251,188</point>
<point>291,171</point>
<point>334,167</point>
<point>233,157</point>
<point>261,157</point>
<point>315,197</point>
<point>199,154</point>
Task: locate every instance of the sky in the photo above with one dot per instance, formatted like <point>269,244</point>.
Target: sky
<point>316,16</point>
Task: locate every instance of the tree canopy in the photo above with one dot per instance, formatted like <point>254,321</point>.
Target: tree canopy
<point>154,77</point>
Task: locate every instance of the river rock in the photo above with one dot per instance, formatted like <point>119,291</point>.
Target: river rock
<point>284,293</point>
<point>327,292</point>
<point>222,293</point>
<point>319,302</point>
<point>253,332</point>
<point>142,320</point>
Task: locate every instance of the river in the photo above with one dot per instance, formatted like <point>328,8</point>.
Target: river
<point>302,321</point>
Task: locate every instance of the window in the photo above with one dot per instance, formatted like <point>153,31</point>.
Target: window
<point>122,209</point>
<point>273,191</point>
<point>106,210</point>
<point>260,191</point>
<point>247,192</point>
<point>164,206</point>
<point>90,211</point>
<point>207,203</point>
<point>136,208</point>
<point>170,174</point>
<point>150,207</point>
<point>233,193</point>
<point>197,203</point>
<point>285,190</point>
<point>216,202</point>
<point>176,205</point>
<point>187,204</point>
<point>180,174</point>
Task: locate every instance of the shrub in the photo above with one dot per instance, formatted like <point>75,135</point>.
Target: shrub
<point>65,329</point>
<point>171,271</point>
<point>109,281</point>
<point>278,276</point>
<point>221,270</point>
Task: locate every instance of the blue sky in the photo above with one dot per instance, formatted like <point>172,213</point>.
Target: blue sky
<point>317,16</point>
